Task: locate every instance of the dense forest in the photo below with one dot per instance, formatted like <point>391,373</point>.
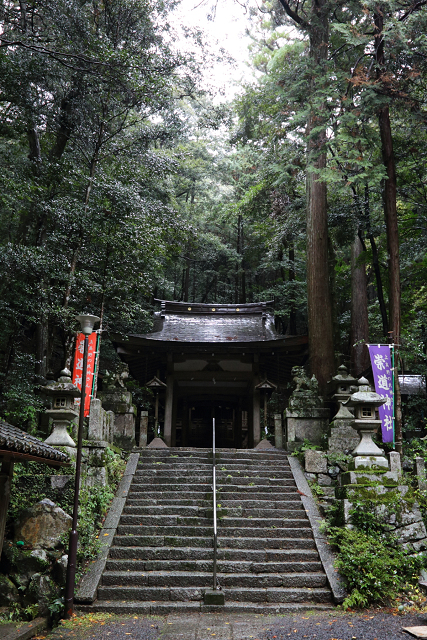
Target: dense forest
<point>125,179</point>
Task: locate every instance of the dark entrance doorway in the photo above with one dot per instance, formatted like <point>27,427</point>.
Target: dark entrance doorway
<point>194,421</point>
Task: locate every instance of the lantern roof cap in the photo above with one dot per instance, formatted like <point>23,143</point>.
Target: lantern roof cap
<point>64,386</point>
<point>344,376</point>
<point>365,395</point>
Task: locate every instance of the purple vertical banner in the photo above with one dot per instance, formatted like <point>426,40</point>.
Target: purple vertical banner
<point>383,379</point>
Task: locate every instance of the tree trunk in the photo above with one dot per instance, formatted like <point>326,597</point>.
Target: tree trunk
<point>359,311</point>
<point>390,215</point>
<point>320,330</point>
<point>375,263</point>
<point>292,326</point>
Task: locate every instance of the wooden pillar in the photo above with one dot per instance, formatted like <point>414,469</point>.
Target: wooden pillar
<point>168,410</point>
<point>238,425</point>
<point>256,418</point>
<point>185,421</point>
<point>6,473</point>
<point>174,417</point>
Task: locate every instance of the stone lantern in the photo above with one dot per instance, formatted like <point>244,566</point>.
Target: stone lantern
<point>342,437</point>
<point>62,412</point>
<point>343,384</point>
<point>365,402</point>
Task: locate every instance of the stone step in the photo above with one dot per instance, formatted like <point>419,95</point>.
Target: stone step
<point>171,483</point>
<point>177,488</point>
<point>204,492</point>
<point>237,465</point>
<point>204,579</point>
<point>157,608</point>
<point>223,566</point>
<point>163,500</point>
<point>261,556</point>
<point>188,521</point>
<point>206,512</point>
<point>220,473</point>
<point>161,557</point>
<point>243,594</point>
<point>163,540</point>
<point>165,520</point>
<point>284,542</point>
<point>138,531</point>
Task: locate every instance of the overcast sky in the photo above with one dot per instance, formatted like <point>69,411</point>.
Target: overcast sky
<point>224,23</point>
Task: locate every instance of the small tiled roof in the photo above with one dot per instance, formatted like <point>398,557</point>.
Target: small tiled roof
<point>16,441</point>
<point>211,323</point>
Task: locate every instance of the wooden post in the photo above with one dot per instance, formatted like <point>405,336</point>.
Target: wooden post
<point>256,418</point>
<point>168,410</point>
<point>6,473</point>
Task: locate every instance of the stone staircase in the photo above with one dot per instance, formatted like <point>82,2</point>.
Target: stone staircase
<point>161,557</point>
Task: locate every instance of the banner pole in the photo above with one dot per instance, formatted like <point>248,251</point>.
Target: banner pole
<point>394,396</point>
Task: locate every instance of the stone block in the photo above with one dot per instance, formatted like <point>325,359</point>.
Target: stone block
<point>420,471</point>
<point>324,480</point>
<point>96,420</point>
<point>124,431</point>
<point>96,477</point>
<point>343,438</point>
<point>311,476</point>
<point>411,532</point>
<point>60,570</point>
<point>60,482</point>
<point>111,399</point>
<point>370,461</point>
<point>109,426</point>
<point>42,525</point>
<point>316,461</point>
<point>8,592</point>
<point>395,462</point>
<point>143,429</point>
<point>41,590</point>
<point>212,597</point>
<point>311,427</point>
<point>278,431</point>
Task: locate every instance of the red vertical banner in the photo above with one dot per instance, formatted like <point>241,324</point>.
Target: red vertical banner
<point>78,366</point>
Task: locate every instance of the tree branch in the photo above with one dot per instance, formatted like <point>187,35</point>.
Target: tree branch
<point>294,15</point>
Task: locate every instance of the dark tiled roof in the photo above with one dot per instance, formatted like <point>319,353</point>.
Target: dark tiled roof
<point>187,322</point>
<point>15,440</point>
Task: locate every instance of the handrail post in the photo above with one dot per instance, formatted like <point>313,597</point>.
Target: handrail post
<point>214,503</point>
<point>215,596</point>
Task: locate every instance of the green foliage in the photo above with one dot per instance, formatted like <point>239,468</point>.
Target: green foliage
<point>375,567</point>
<point>305,446</point>
<point>31,483</point>
<point>93,504</point>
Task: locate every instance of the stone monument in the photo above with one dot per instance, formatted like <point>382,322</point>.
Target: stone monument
<point>306,418</point>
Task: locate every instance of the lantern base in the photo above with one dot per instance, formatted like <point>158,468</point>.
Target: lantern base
<point>370,461</point>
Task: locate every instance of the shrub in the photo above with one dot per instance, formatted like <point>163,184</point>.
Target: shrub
<point>374,566</point>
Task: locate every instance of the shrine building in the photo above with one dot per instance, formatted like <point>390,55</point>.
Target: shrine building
<point>212,361</point>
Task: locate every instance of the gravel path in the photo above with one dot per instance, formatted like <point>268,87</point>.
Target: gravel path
<point>336,625</point>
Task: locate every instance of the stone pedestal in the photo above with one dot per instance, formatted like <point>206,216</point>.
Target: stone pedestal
<point>120,402</point>
<point>343,438</point>
<point>306,419</point>
<point>143,429</point>
<point>278,431</point>
<point>101,422</point>
<point>306,424</point>
<point>93,464</point>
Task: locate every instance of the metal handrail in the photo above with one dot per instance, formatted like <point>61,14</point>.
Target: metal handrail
<point>214,505</point>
